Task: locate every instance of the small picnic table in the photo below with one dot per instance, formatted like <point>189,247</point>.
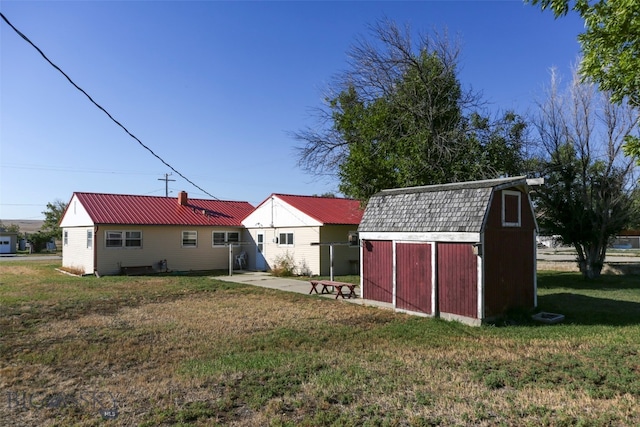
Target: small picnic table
<point>338,286</point>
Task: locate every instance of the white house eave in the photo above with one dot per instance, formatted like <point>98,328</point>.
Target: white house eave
<point>276,213</point>
<point>75,215</point>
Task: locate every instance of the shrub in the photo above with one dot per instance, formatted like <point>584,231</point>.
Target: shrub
<point>304,268</point>
<point>284,265</point>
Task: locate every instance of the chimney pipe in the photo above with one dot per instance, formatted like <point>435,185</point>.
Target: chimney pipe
<point>182,198</point>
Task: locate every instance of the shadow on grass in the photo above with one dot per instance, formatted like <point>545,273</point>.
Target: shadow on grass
<point>190,273</point>
<point>589,310</point>
<point>573,280</point>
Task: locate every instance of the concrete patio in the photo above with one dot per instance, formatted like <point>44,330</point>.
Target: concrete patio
<point>266,280</point>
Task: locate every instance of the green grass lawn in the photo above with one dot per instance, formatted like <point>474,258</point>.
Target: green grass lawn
<point>192,350</point>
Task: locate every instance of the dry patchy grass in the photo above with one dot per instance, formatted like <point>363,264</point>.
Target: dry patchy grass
<point>196,351</point>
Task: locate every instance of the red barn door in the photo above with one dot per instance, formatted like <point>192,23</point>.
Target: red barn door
<point>377,270</point>
<point>413,277</point>
<point>457,279</point>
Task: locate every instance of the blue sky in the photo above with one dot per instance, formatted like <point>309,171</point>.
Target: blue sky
<point>215,88</point>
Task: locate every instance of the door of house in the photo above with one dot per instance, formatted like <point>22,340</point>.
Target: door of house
<point>261,264</point>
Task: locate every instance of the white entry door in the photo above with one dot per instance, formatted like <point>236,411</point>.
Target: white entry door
<point>261,263</point>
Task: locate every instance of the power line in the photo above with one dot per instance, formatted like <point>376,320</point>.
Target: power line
<point>101,108</point>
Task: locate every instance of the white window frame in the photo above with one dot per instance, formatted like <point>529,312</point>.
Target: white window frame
<point>65,238</point>
<point>226,238</point>
<point>218,243</point>
<point>518,194</point>
<point>186,237</point>
<point>108,238</point>
<point>285,241</point>
<point>126,239</point>
<point>89,239</point>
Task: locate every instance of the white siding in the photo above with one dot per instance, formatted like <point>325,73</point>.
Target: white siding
<point>422,236</point>
<point>75,215</point>
<point>303,253</point>
<point>275,213</point>
<point>164,243</point>
<point>75,254</point>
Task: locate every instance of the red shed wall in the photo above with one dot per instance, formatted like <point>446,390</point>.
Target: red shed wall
<point>509,260</point>
<point>413,277</point>
<point>377,270</point>
<point>457,279</point>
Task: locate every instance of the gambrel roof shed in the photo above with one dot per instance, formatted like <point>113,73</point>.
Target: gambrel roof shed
<point>464,251</point>
<point>451,208</point>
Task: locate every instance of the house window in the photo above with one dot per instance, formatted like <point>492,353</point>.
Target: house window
<point>220,238</point>
<point>511,211</point>
<point>65,240</point>
<point>286,239</point>
<point>189,239</point>
<point>119,239</point>
<point>133,239</point>
<point>89,239</point>
<point>113,239</point>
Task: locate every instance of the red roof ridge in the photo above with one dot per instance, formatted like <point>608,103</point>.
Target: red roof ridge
<point>158,197</point>
<point>107,208</point>
<point>315,197</point>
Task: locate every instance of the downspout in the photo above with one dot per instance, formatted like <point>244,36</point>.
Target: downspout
<point>95,251</point>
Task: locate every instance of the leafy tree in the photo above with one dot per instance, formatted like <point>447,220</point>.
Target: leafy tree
<point>400,117</point>
<point>39,240</point>
<point>11,228</point>
<point>610,47</point>
<point>634,220</point>
<point>586,198</point>
<point>52,217</point>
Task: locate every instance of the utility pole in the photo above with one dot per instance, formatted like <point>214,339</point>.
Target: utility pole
<point>166,183</point>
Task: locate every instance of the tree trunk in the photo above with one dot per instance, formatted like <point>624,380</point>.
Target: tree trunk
<point>590,260</point>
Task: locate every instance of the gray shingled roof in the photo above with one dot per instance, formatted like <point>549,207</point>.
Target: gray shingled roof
<point>457,207</point>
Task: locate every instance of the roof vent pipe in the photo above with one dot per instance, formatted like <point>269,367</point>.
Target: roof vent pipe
<point>182,198</point>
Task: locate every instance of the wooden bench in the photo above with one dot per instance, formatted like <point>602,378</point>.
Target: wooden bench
<point>338,286</point>
<point>137,270</point>
<point>314,287</point>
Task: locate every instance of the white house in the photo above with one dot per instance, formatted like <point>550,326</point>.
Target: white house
<point>113,233</point>
<point>307,229</point>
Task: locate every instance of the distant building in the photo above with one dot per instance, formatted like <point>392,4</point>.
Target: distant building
<point>8,242</point>
<point>627,239</point>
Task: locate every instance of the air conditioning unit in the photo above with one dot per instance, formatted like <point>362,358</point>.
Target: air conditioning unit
<point>353,238</point>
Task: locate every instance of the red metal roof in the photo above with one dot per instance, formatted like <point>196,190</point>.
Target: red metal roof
<point>153,210</point>
<point>327,210</point>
